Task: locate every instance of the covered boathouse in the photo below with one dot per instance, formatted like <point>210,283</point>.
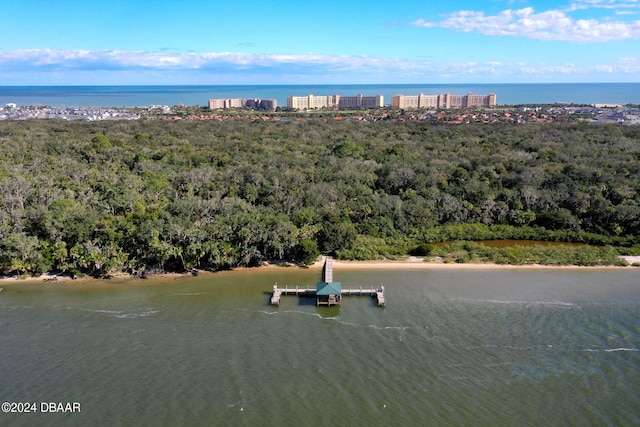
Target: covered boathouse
<point>328,293</point>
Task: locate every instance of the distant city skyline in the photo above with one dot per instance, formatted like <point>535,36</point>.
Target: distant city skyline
<point>121,42</point>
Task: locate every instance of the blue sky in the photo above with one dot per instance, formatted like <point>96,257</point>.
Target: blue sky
<point>101,42</point>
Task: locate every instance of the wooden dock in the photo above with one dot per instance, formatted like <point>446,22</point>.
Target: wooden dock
<point>278,292</point>
<point>327,270</point>
<point>377,293</point>
<point>327,292</point>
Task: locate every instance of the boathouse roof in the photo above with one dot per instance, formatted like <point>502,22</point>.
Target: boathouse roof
<point>329,288</point>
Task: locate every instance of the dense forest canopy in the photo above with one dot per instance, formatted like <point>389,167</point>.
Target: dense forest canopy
<point>97,197</point>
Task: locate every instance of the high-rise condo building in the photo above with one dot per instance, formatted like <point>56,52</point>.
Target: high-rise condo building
<point>254,103</point>
<point>339,102</point>
<point>443,101</point>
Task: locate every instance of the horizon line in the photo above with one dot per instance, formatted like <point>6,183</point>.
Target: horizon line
<point>324,84</point>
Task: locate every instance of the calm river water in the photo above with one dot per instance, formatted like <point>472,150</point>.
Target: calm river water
<point>452,347</point>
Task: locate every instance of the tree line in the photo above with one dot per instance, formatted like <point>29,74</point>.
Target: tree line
<point>98,197</point>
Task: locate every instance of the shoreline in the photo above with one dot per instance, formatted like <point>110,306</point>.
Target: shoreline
<point>412,263</point>
<point>420,264</point>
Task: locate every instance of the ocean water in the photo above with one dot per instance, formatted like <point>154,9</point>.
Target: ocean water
<point>143,96</point>
<point>452,347</point>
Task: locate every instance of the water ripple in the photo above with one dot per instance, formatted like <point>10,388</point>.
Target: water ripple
<point>560,304</point>
<point>339,320</point>
<point>120,314</point>
<point>182,294</point>
<point>136,315</point>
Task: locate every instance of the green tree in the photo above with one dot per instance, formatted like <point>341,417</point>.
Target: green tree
<point>306,252</point>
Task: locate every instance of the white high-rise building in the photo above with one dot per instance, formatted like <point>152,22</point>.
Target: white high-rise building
<point>443,101</point>
<point>313,102</point>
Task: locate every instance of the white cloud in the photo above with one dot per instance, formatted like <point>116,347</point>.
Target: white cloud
<point>106,67</point>
<point>622,66</point>
<point>554,24</point>
<point>604,4</point>
<point>113,60</point>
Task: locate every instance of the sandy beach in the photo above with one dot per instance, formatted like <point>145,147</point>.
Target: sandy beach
<point>411,263</point>
<point>418,263</point>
